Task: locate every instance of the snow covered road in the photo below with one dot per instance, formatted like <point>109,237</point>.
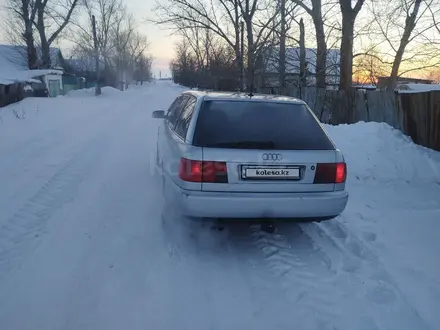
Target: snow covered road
<point>85,244</point>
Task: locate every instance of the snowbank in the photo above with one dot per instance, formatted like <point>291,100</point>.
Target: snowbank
<point>377,151</point>
<point>82,229</point>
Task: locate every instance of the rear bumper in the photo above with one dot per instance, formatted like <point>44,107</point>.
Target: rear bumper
<point>260,205</point>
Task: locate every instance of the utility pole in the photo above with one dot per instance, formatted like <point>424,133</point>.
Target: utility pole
<point>242,56</point>
<point>282,55</point>
<point>302,58</point>
<point>95,41</point>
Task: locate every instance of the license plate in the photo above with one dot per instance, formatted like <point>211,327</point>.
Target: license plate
<point>271,173</point>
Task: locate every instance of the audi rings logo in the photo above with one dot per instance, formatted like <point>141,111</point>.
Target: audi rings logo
<point>272,156</point>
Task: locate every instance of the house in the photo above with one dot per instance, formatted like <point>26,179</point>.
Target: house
<point>15,75</point>
<point>85,67</point>
<point>368,87</point>
<point>269,67</point>
<point>382,82</point>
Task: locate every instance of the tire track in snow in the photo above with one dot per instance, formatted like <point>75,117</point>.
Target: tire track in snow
<point>303,272</point>
<point>285,267</point>
<point>146,271</point>
<point>360,267</point>
<point>33,161</point>
<point>229,260</point>
<point>290,280</point>
<point>22,232</point>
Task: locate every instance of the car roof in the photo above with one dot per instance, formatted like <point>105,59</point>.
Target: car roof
<point>240,96</point>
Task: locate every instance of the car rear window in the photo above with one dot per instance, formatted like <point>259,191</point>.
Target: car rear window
<point>258,125</point>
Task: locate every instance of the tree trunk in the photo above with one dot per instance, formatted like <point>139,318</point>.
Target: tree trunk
<point>410,24</point>
<point>321,49</point>
<point>392,82</point>
<point>302,58</point>
<point>346,64</point>
<point>250,56</point>
<point>96,54</point>
<point>242,56</point>
<point>315,12</point>
<point>282,55</point>
<point>31,50</point>
<point>239,56</point>
<point>346,51</point>
<point>45,51</point>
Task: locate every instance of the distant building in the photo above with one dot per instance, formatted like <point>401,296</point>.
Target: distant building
<point>368,87</point>
<point>382,82</point>
<point>16,77</point>
<point>268,70</point>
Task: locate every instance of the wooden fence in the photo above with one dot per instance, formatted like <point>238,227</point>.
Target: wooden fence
<point>415,114</point>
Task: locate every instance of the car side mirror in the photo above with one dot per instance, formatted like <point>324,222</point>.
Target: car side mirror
<point>158,114</point>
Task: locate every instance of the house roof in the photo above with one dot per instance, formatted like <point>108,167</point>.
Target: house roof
<point>429,81</point>
<point>13,65</point>
<point>293,60</point>
<point>83,64</point>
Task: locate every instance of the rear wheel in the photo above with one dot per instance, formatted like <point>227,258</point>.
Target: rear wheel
<point>268,227</point>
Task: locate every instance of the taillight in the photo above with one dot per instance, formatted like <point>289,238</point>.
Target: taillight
<point>203,171</point>
<point>341,172</point>
<point>330,173</point>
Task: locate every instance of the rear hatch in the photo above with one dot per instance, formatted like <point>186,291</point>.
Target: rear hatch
<point>264,146</point>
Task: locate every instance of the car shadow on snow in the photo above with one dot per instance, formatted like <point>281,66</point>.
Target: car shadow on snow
<point>212,237</point>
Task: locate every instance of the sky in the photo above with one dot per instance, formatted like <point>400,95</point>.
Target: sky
<point>161,43</point>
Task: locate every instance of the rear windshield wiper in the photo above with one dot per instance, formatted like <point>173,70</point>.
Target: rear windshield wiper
<point>244,145</point>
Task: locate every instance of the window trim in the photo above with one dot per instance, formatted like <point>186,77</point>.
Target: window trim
<point>182,105</point>
<point>191,98</point>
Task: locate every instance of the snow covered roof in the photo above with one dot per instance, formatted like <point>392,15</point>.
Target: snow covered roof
<point>83,64</point>
<point>293,60</point>
<point>417,88</point>
<point>13,65</point>
<point>365,86</point>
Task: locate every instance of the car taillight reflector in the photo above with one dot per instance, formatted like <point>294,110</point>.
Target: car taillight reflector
<point>203,171</point>
<point>331,173</point>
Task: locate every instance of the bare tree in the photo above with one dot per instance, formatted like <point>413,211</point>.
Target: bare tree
<point>143,69</point>
<point>302,56</point>
<point>410,24</point>
<point>283,32</point>
<point>256,42</point>
<point>369,65</point>
<point>96,56</point>
<point>404,23</point>
<point>55,13</point>
<point>206,63</point>
<point>349,15</point>
<point>222,17</point>
<point>315,12</point>
<point>434,75</point>
<point>119,43</point>
<point>20,28</point>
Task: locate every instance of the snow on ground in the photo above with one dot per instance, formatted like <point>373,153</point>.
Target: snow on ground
<point>85,244</point>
